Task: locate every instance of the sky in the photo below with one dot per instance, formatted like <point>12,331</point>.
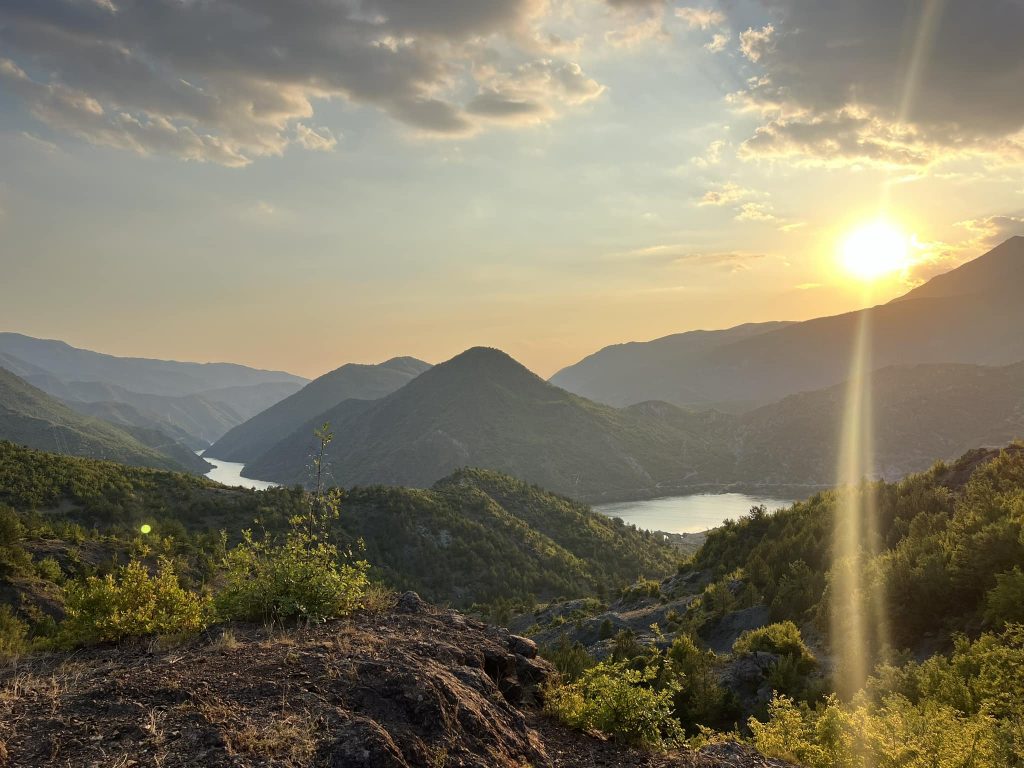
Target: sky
<point>299,185</point>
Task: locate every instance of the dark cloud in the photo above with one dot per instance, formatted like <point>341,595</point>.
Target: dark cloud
<point>229,80</point>
<point>887,79</point>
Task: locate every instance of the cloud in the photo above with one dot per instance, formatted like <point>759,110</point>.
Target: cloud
<point>892,82</point>
<point>700,18</point>
<point>234,80</point>
<point>315,139</point>
<point>992,230</point>
<point>712,155</point>
<point>761,212</point>
<point>755,43</point>
<point>718,42</point>
<point>725,194</point>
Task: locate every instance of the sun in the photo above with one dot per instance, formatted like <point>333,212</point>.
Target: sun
<point>875,250</point>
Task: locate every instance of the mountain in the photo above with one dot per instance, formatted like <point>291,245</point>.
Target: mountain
<point>204,400</point>
<point>921,413</point>
<point>624,374</point>
<point>969,315</point>
<point>30,417</point>
<point>250,440</point>
<point>484,409</point>
<point>143,375</point>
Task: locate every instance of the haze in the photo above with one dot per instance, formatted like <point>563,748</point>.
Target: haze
<point>358,180</point>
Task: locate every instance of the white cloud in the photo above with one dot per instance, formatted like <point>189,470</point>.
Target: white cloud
<point>760,212</point>
<point>755,43</point>
<point>700,18</point>
<point>316,139</point>
<point>725,194</point>
<point>712,155</point>
<point>718,42</point>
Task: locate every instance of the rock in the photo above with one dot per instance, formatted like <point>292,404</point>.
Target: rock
<point>363,743</point>
<point>522,646</point>
<point>410,602</point>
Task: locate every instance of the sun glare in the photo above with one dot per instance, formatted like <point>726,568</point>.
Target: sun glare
<point>875,250</point>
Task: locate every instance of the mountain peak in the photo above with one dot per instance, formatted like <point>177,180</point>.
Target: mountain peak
<point>997,272</point>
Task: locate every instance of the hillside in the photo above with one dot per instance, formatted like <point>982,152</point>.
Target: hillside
<point>922,413</point>
<point>969,315</point>
<point>204,400</point>
<point>251,439</point>
<point>634,372</point>
<point>30,417</point>
<point>484,409</point>
<point>475,537</point>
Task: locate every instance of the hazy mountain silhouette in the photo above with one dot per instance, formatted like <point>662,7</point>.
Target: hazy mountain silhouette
<point>969,315</point>
<point>203,399</point>
<point>28,416</point>
<point>250,440</point>
<point>484,409</point>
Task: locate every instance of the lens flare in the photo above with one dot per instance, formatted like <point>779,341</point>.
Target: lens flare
<point>146,528</point>
<point>859,626</point>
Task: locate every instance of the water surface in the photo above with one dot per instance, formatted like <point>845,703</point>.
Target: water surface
<point>230,473</point>
<point>688,514</point>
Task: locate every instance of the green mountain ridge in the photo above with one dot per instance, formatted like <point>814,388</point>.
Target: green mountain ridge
<point>29,416</point>
<point>251,439</point>
<point>476,536</point>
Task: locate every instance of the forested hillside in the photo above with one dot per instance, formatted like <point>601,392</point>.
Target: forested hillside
<point>30,417</point>
<point>476,537</point>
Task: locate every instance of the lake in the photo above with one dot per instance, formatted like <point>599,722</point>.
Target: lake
<point>230,473</point>
<point>688,514</point>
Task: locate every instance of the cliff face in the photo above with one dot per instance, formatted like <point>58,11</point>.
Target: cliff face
<point>406,686</point>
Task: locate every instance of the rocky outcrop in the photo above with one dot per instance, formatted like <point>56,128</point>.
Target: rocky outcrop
<point>403,687</point>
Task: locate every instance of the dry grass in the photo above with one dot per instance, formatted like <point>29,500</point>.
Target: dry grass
<point>291,738</point>
<point>226,641</point>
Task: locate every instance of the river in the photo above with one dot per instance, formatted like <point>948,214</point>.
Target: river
<point>687,514</point>
<point>230,473</point>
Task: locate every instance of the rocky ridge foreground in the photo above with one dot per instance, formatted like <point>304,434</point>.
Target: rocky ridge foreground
<point>409,685</point>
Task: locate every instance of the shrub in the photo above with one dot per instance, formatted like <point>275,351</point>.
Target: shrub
<point>616,700</point>
<point>48,568</point>
<point>1005,602</point>
<point>783,639</point>
<point>301,578</point>
<point>131,603</point>
<point>701,699</point>
<point>13,634</point>
<point>570,658</point>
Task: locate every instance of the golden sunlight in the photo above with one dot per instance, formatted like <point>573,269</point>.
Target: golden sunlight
<point>875,250</point>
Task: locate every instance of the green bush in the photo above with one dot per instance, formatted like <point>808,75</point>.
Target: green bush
<point>301,578</point>
<point>700,700</point>
<point>13,634</point>
<point>131,603</point>
<point>783,639</point>
<point>48,568</point>
<point>1004,603</point>
<point>570,658</point>
<point>617,701</point>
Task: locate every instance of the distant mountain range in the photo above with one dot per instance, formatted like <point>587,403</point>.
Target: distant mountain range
<point>252,439</point>
<point>195,403</point>
<point>483,409</point>
<point>972,314</point>
<point>28,416</point>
